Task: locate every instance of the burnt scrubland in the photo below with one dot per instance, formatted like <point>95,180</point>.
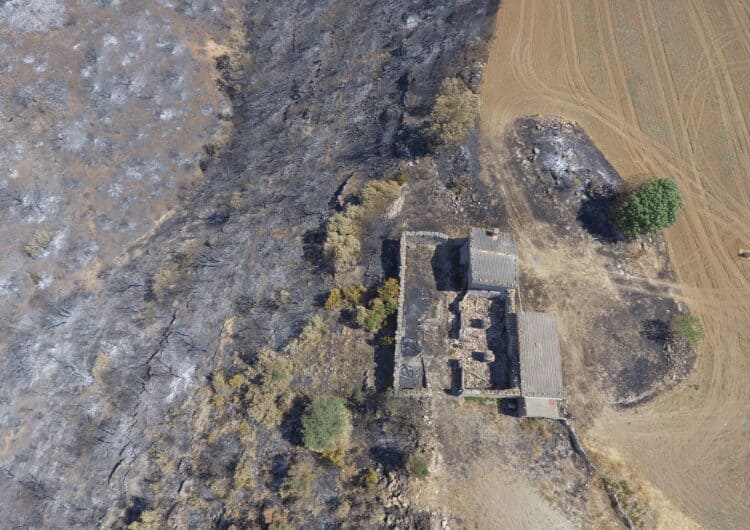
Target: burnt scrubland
<point>199,327</point>
<point>628,337</point>
<point>168,172</point>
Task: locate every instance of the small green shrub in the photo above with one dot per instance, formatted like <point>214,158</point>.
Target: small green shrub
<point>650,209</point>
<point>382,308</point>
<point>402,178</point>
<point>325,424</point>
<point>455,112</point>
<point>417,466</point>
<point>388,341</point>
<point>688,328</point>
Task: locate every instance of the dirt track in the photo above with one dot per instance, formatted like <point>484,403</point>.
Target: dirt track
<point>663,88</point>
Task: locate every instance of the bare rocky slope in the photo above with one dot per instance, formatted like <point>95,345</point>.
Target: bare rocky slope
<point>99,364</point>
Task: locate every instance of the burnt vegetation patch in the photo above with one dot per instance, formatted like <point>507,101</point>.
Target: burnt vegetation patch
<point>630,343</point>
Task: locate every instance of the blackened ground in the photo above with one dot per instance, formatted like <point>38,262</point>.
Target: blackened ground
<point>571,187</point>
<point>99,378</point>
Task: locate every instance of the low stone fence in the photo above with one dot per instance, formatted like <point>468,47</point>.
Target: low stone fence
<point>504,393</point>
<point>578,448</point>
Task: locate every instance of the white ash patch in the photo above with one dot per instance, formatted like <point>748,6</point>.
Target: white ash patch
<point>33,15</point>
<point>181,382</point>
<point>44,280</point>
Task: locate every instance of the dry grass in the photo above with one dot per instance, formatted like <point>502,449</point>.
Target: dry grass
<point>313,332</point>
<point>642,502</point>
<point>299,480</point>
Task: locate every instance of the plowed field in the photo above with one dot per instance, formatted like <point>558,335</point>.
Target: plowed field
<point>663,88</point>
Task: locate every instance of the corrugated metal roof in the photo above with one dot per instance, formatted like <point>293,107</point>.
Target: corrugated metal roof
<point>493,258</point>
<point>539,352</point>
<point>494,269</point>
<point>492,240</point>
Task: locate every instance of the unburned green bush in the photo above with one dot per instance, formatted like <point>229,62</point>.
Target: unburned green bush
<point>455,112</point>
<point>325,424</point>
<point>382,308</point>
<point>417,466</point>
<point>687,328</point>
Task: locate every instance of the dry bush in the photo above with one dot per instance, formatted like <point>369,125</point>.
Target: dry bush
<point>148,520</point>
<point>270,397</point>
<point>369,478</point>
<point>298,483</point>
<point>164,279</point>
<point>235,200</point>
<point>335,299</point>
<point>343,246</point>
<point>455,112</point>
<point>376,197</point>
<point>189,252</point>
<point>38,243</point>
<point>274,519</point>
<point>402,178</point>
<point>354,294</point>
<point>342,510</point>
<point>311,334</point>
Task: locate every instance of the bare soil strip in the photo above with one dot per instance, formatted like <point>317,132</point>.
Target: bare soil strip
<point>663,88</point>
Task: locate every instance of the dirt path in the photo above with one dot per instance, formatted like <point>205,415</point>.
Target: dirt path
<point>663,88</point>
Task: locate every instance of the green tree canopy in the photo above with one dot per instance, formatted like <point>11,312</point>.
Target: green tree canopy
<point>325,424</point>
<point>651,208</point>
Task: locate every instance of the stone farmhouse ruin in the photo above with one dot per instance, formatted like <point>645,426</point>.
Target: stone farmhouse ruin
<point>461,326</point>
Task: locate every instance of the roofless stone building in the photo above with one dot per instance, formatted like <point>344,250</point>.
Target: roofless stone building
<point>498,351</point>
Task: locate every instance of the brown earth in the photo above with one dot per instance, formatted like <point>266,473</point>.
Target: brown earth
<point>663,89</point>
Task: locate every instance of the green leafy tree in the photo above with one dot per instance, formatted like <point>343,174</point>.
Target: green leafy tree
<point>651,208</point>
<point>325,424</point>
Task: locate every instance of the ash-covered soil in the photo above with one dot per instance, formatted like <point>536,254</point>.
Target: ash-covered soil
<point>624,335</point>
<point>162,169</point>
